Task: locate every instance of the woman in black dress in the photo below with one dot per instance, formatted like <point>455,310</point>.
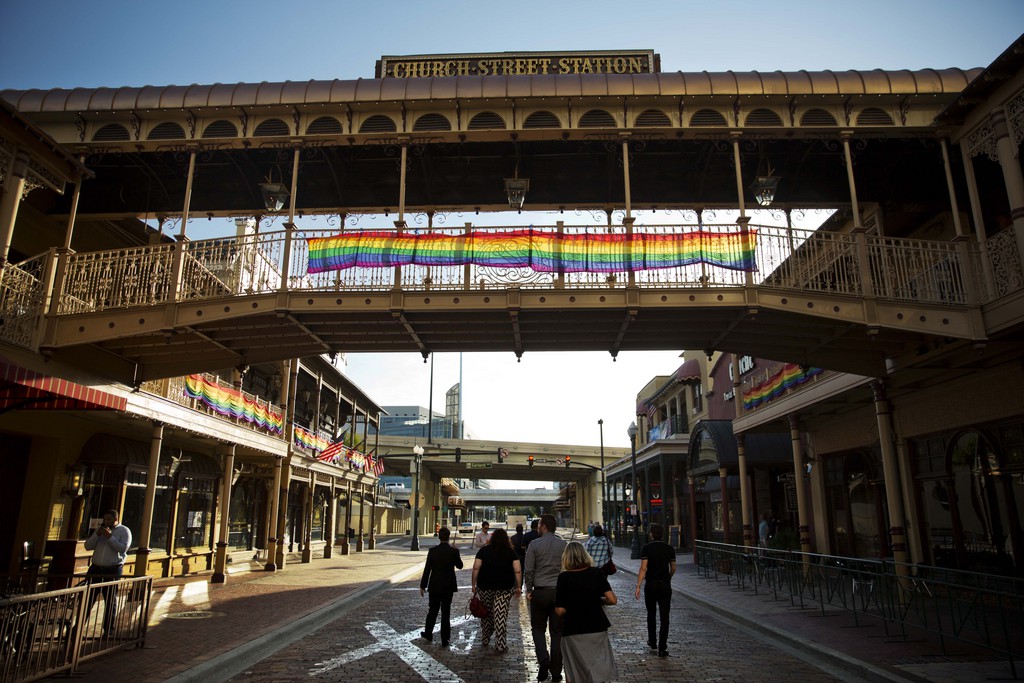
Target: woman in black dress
<point>580,596</point>
<point>497,576</point>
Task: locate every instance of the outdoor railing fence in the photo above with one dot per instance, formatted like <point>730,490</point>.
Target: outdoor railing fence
<point>813,261</point>
<point>51,632</point>
<point>980,609</point>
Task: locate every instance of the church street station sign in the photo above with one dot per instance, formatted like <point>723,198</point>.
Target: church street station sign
<point>519,64</point>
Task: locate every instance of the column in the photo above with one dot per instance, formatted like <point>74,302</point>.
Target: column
<point>979,223</point>
<point>693,515</point>
<point>743,219</point>
<point>282,516</point>
<point>14,186</point>
<point>329,522</point>
<point>723,483</point>
<point>149,502</point>
<point>864,265</point>
<point>307,520</point>
<point>373,515</point>
<point>275,504</point>
<point>1013,177</point>
<point>179,248</point>
<point>745,506</point>
<point>345,549</point>
<point>362,508</point>
<point>220,561</point>
<point>893,497</point>
<point>804,529</point>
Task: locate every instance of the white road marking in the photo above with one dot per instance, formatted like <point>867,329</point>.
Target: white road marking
<point>401,644</point>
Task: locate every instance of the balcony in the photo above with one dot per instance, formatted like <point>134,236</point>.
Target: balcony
<point>677,425</point>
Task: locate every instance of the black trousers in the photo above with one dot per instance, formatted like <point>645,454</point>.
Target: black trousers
<point>543,618</point>
<point>98,574</point>
<point>440,601</point>
<point>657,596</point>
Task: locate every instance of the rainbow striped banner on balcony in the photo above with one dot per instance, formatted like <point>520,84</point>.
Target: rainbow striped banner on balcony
<point>231,402</point>
<point>308,439</point>
<point>785,377</point>
<point>542,251</point>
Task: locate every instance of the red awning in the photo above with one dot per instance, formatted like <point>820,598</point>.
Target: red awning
<point>22,389</point>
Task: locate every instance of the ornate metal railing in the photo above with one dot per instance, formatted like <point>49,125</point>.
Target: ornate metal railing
<point>980,609</point>
<point>809,261</point>
<point>1002,260</point>
<point>21,299</point>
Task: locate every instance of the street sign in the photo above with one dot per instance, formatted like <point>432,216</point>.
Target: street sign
<point>478,465</point>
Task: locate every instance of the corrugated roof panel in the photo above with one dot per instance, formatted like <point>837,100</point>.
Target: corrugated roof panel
<point>776,83</point>
<point>469,86</point>
<point>852,82</point>
<point>746,82</point>
<point>490,87</point>
<point>37,100</point>
<point>269,93</point>
<point>526,86</point>
<point>386,89</point>
<point>293,92</point>
<point>417,88</point>
<point>640,84</point>
<point>444,88</point>
<point>245,93</point>
<point>823,82</point>
<point>595,85</point>
<point>126,98</point>
<point>332,91</point>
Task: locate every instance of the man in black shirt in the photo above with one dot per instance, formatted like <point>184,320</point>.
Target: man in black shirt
<point>657,565</point>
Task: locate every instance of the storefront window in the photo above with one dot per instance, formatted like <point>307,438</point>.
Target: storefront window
<point>319,514</point>
<point>195,506</point>
<point>101,491</point>
<point>134,503</point>
<point>243,518</point>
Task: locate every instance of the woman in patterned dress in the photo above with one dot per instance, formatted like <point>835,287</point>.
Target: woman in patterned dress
<point>497,576</point>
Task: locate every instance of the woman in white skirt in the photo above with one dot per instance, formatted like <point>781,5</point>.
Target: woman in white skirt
<point>580,596</point>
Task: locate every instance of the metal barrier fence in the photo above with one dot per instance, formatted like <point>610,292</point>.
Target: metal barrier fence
<point>981,609</point>
<point>51,632</point>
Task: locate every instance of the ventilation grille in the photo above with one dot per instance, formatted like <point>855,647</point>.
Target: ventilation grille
<point>325,125</point>
<point>432,122</point>
<point>597,118</point>
<point>873,116</point>
<point>542,119</point>
<point>167,131</point>
<point>220,129</point>
<point>707,117</point>
<point>485,120</point>
<point>817,117</point>
<point>111,132</point>
<point>652,117</point>
<point>271,127</point>
<point>378,123</point>
<point>763,117</point>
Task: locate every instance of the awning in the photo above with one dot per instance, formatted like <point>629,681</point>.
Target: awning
<point>22,389</point>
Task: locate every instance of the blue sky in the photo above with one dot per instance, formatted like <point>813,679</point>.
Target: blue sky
<point>554,398</point>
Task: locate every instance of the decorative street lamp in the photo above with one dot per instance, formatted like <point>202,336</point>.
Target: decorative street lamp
<point>417,458</point>
<point>634,553</point>
<point>604,482</point>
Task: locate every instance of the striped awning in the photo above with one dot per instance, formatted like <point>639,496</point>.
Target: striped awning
<point>22,389</point>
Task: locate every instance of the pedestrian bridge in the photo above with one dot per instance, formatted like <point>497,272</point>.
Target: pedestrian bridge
<point>850,302</point>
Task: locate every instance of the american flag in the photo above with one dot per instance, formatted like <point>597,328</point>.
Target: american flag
<point>333,453</point>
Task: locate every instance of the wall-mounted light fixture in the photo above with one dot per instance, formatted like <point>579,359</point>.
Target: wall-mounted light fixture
<point>275,194</point>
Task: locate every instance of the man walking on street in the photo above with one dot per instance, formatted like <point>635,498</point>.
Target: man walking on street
<point>439,578</point>
<point>543,565</point>
<point>657,565</point>
<point>481,539</point>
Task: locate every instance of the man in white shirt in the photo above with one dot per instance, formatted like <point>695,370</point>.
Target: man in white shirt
<point>482,538</point>
<point>109,543</point>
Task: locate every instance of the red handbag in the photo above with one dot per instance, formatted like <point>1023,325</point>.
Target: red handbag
<point>477,607</point>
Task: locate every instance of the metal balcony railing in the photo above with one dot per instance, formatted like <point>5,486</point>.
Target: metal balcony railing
<point>981,609</point>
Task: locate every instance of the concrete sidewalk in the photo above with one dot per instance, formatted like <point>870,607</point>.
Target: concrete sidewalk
<point>864,650</point>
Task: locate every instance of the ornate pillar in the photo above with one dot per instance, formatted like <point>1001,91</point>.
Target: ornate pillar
<point>282,517</point>
<point>362,508</point>
<point>723,483</point>
<point>275,505</point>
<point>745,503</point>
<point>220,561</point>
<point>307,523</point>
<point>345,549</point>
<point>373,516</point>
<point>891,468</point>
<point>804,529</point>
<point>329,522</point>
<point>14,186</point>
<point>693,514</point>
<point>149,502</point>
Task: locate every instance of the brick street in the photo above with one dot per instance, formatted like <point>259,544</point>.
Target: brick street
<point>379,641</point>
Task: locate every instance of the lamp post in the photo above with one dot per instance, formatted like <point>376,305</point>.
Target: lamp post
<point>634,552</point>
<point>417,459</point>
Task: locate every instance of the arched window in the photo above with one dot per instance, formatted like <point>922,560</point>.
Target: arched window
<point>110,133</point>
<point>432,122</point>
<point>271,128</point>
<point>653,118</point>
<point>378,123</point>
<point>220,129</point>
<point>168,130</point>
<point>817,117</point>
<point>542,119</point>
<point>873,116</point>
<point>707,117</point>
<point>486,120</point>
<point>325,125</point>
<point>597,118</point>
<point>763,117</point>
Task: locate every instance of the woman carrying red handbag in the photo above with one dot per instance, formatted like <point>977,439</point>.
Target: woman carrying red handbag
<point>496,577</point>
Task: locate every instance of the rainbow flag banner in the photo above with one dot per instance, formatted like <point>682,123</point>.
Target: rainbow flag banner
<point>232,403</point>
<point>545,252</point>
<point>785,377</point>
<point>308,439</point>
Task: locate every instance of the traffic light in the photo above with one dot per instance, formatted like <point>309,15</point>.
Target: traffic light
<point>435,508</point>
<point>567,461</point>
<point>530,460</point>
<point>458,454</point>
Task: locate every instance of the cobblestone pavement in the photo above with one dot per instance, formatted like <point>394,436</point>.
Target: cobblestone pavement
<point>379,641</point>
